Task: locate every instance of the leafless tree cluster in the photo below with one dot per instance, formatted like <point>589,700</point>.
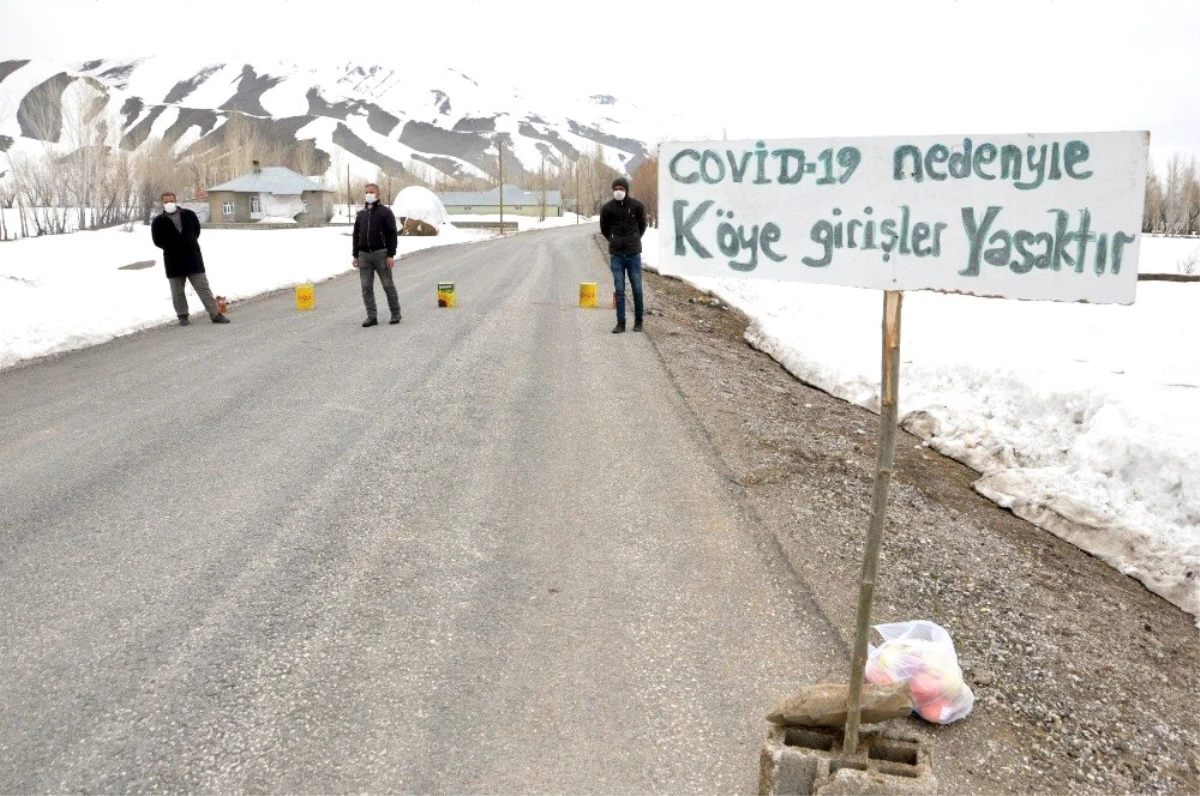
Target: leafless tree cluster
<point>83,178</point>
<point>586,182</point>
<point>644,186</point>
<point>240,142</point>
<point>1173,200</point>
<point>38,189</point>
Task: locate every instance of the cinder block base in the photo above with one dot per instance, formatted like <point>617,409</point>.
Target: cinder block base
<point>798,761</point>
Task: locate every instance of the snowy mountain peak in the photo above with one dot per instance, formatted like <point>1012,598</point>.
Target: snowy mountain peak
<point>370,115</point>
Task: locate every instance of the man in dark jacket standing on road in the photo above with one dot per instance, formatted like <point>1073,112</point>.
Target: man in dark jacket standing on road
<point>375,251</point>
<point>177,232</point>
<point>623,222</point>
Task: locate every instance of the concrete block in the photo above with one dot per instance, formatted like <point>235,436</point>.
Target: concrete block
<point>803,761</point>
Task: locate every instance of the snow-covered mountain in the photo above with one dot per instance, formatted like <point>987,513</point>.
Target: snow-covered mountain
<point>367,116</point>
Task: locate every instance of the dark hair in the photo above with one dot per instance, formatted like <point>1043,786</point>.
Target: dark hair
<point>371,185</point>
<point>621,182</point>
<point>166,194</point>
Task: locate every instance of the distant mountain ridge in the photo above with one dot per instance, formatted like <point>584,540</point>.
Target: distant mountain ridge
<point>369,116</point>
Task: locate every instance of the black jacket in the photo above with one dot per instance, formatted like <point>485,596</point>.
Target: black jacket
<point>181,250</point>
<point>623,223</point>
<point>375,228</point>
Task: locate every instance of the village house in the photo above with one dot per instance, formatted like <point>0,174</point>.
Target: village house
<point>270,194</point>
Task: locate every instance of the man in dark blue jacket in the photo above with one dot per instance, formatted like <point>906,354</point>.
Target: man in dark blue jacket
<point>623,222</point>
<point>375,252</point>
<point>176,230</point>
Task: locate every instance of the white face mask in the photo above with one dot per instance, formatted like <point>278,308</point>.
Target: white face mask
<point>618,195</point>
<point>372,198</point>
<point>170,207</point>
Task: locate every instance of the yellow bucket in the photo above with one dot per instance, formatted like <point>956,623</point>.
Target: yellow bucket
<point>306,297</point>
<point>587,295</point>
<point>445,294</point>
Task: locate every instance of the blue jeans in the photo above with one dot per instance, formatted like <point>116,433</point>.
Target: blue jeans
<point>620,263</point>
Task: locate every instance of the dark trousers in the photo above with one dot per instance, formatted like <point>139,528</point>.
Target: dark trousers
<point>200,285</point>
<point>368,264</point>
<point>631,264</point>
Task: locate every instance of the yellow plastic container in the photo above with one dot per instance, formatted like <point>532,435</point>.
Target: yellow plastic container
<point>306,297</point>
<point>445,294</point>
<point>587,295</point>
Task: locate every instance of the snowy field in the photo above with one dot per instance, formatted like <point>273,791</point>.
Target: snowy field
<point>12,218</point>
<point>1080,418</point>
<point>62,292</point>
<point>1174,255</point>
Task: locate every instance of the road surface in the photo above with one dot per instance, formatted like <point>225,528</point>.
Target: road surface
<point>486,550</point>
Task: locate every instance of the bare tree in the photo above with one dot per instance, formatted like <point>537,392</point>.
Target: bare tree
<point>1189,199</point>
<point>644,185</point>
<point>7,191</point>
<point>1152,208</point>
<point>1172,210</point>
<point>242,143</point>
<point>36,180</point>
<point>40,114</point>
<point>303,157</point>
<point>37,196</point>
<point>593,178</point>
<point>7,198</point>
<point>156,169</point>
<point>85,133</point>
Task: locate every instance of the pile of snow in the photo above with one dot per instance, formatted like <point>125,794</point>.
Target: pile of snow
<point>422,204</point>
<point>1080,418</point>
<point>284,207</point>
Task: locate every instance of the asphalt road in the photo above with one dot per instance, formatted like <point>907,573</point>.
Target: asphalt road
<point>486,550</point>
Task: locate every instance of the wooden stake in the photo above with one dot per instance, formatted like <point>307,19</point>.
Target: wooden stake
<point>888,412</point>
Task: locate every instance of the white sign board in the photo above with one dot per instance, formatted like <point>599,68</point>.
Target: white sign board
<point>1054,217</point>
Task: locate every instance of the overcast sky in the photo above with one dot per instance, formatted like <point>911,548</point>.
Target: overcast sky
<point>744,69</point>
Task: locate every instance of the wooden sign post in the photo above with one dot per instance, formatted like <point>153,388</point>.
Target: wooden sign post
<point>889,394</point>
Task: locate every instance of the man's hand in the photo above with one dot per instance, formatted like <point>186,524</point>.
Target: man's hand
<point>391,261</point>
<point>354,263</point>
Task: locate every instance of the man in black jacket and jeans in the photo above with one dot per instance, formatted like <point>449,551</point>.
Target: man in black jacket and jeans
<point>375,251</point>
<point>623,222</point>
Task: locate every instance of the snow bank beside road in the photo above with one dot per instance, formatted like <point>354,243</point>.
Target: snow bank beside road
<point>1081,418</point>
<point>63,292</point>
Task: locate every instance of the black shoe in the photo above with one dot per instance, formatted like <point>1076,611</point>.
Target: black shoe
<point>395,319</point>
<point>370,322</point>
<point>183,320</point>
<point>220,319</point>
<point>637,325</point>
<point>620,327</point>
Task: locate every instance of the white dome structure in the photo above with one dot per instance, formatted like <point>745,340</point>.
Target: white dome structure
<point>420,203</point>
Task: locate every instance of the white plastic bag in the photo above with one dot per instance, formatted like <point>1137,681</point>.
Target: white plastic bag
<point>922,653</point>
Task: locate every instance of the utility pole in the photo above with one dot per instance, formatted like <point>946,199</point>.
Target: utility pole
<point>500,150</point>
<point>347,191</point>
<point>578,197</point>
<point>543,216</point>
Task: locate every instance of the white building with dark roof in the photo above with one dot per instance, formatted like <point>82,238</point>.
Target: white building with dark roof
<point>516,202</point>
<point>270,194</point>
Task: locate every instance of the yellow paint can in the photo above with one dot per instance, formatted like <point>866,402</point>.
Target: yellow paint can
<point>306,297</point>
<point>445,294</point>
<point>587,295</point>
